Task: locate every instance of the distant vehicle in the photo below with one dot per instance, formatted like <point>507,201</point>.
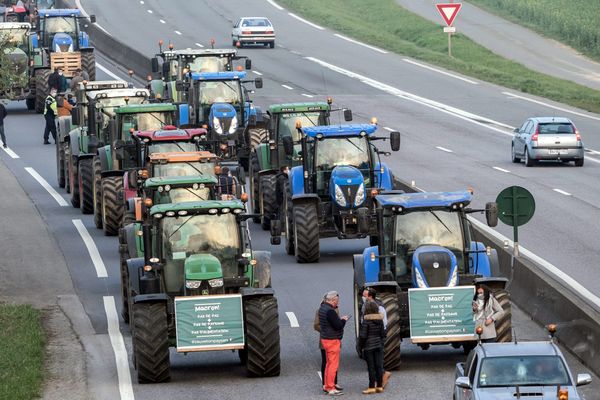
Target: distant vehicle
<point>517,370</point>
<point>253,30</point>
<point>547,138</point>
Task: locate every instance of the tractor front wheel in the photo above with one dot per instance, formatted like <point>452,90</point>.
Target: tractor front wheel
<point>86,190</point>
<point>288,220</point>
<point>306,232</point>
<point>97,191</point>
<point>256,136</point>
<point>73,180</point>
<point>112,209</point>
<point>268,200</point>
<point>151,342</point>
<point>41,89</point>
<point>504,323</point>
<point>391,348</point>
<point>88,64</point>
<point>60,164</point>
<point>262,351</point>
<point>254,186</point>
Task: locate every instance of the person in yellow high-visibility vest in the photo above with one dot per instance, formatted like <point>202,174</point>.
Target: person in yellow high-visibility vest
<point>50,113</point>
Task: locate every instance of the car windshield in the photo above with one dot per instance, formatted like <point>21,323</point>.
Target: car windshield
<point>158,147</point>
<point>147,121</point>
<point>419,228</point>
<point>349,151</point>
<point>209,64</point>
<point>255,22</point>
<point>287,123</point>
<point>60,24</point>
<point>523,371</point>
<point>556,128</point>
<point>220,92</point>
<point>179,195</point>
<point>183,169</point>
<point>45,4</point>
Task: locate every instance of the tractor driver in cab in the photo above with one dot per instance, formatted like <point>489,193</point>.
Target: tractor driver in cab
<point>227,185</point>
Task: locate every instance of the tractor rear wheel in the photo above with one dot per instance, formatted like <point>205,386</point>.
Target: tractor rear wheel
<point>268,200</point>
<point>112,208</point>
<point>391,348</point>
<point>60,164</point>
<point>88,64</point>
<point>97,190</point>
<point>151,342</point>
<point>254,186</point>
<point>306,233</point>
<point>73,181</point>
<point>262,352</point>
<point>86,190</point>
<point>41,89</point>
<point>124,282</point>
<point>504,323</point>
<point>256,136</point>
<point>288,220</point>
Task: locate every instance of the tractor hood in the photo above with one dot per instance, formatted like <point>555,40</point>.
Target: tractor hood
<point>62,43</point>
<point>434,266</point>
<point>18,59</point>
<point>201,267</point>
<point>346,187</point>
<point>223,118</point>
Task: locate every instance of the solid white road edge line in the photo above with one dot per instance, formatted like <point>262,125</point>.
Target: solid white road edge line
<point>310,96</point>
<point>91,248</point>
<point>59,199</point>
<point>306,22</point>
<point>11,153</point>
<point>277,6</point>
<point>444,149</point>
<point>360,43</point>
<point>86,15</point>
<point>108,72</point>
<point>592,159</point>
<point>562,192</point>
<point>501,169</point>
<point>440,71</point>
<point>293,320</point>
<point>551,106</point>
<point>288,87</point>
<point>118,345</point>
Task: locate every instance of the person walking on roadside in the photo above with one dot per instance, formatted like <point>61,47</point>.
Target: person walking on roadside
<point>3,114</point>
<point>369,294</point>
<point>317,327</point>
<point>332,331</point>
<point>50,113</point>
<point>486,311</point>
<point>371,339</point>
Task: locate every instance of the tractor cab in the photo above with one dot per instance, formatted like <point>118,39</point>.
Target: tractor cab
<point>182,164</point>
<point>170,139</point>
<point>165,190</point>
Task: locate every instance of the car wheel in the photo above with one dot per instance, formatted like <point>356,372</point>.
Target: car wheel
<point>528,161</point>
<point>513,152</point>
<point>272,44</point>
<point>579,163</point>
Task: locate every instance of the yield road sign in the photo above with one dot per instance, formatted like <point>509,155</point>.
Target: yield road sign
<point>448,11</point>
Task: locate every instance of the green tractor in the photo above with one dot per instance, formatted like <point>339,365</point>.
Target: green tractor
<point>201,288</point>
<point>19,51</point>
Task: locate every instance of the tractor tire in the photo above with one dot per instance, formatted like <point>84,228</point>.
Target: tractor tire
<point>391,348</point>
<point>262,351</point>
<point>151,342</point>
<point>504,323</point>
<point>256,136</point>
<point>41,89</point>
<point>73,181</point>
<point>30,102</point>
<point>60,164</point>
<point>123,256</point>
<point>254,186</point>
<point>268,200</point>
<point>358,319</point>
<point>112,209</point>
<point>97,190</point>
<point>128,218</point>
<point>306,233</point>
<point>86,189</point>
<point>88,64</point>
<point>288,220</point>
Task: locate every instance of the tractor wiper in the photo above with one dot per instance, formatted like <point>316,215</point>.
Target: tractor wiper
<point>232,89</point>
<point>196,194</point>
<point>441,222</point>
<point>311,121</point>
<point>162,123</point>
<point>191,165</point>
<point>181,226</point>
<point>354,144</point>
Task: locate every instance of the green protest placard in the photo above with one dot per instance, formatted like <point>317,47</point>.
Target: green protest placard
<point>441,314</point>
<point>209,322</point>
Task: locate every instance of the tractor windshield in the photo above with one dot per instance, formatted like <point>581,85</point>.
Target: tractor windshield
<point>220,92</point>
<point>166,147</point>
<point>151,121</point>
<point>183,169</point>
<point>348,151</point>
<point>209,64</point>
<point>287,123</point>
<point>179,195</point>
<point>54,25</point>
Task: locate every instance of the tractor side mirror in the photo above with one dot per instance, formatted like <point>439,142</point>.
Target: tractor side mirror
<point>395,141</point>
<point>112,128</point>
<point>248,63</point>
<point>154,62</point>
<point>258,83</point>
<point>75,116</point>
<point>179,85</point>
<point>241,175</point>
<point>347,114</point>
<point>516,130</point>
<point>119,149</point>
<point>288,145</point>
<point>93,19</point>
<point>491,213</point>
<point>132,178</point>
<point>364,220</point>
<point>275,232</point>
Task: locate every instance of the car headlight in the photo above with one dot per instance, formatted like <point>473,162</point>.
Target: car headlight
<point>193,284</point>
<point>454,278</point>
<point>218,282</point>
<point>234,125</point>
<point>339,196</point>
<point>360,195</point>
<point>420,281</point>
<point>217,125</point>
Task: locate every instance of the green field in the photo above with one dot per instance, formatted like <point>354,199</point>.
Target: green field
<point>574,22</point>
<point>385,24</point>
<point>22,342</point>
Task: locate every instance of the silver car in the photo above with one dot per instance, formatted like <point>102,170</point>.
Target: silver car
<point>547,138</point>
<point>506,371</point>
<point>253,30</point>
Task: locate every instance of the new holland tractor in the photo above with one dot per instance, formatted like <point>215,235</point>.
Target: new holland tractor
<point>201,288</point>
<point>268,157</point>
<point>427,243</point>
<point>19,53</point>
<point>331,193</point>
<point>59,42</point>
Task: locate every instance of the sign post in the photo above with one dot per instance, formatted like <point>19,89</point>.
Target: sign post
<point>516,206</point>
<point>448,12</point>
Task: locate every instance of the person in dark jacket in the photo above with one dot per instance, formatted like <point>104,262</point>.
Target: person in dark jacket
<point>371,339</point>
<point>54,79</point>
<point>332,331</point>
<point>317,327</point>
<point>3,114</point>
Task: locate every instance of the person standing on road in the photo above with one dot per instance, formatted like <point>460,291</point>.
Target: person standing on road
<point>54,79</point>
<point>486,311</point>
<point>76,80</point>
<point>317,327</point>
<point>3,114</point>
<point>50,113</point>
<point>64,107</point>
<point>370,343</point>
<point>369,294</point>
<point>332,331</point>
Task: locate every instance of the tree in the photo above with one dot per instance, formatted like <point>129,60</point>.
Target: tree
<point>13,65</point>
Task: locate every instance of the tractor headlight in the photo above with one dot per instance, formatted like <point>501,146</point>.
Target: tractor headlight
<point>420,281</point>
<point>339,196</point>
<point>360,195</point>
<point>217,125</point>
<point>218,282</point>
<point>234,125</point>
<point>193,284</point>
<point>454,278</point>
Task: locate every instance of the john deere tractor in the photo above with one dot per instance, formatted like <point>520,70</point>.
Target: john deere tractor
<point>427,243</point>
<point>201,288</point>
<point>331,193</point>
<point>60,42</point>
<point>18,53</point>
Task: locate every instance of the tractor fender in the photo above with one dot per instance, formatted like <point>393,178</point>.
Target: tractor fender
<point>384,178</point>
<point>262,154</point>
<point>151,298</point>
<point>74,140</point>
<point>105,159</point>
<point>262,269</point>
<point>134,249</point>
<point>86,49</point>
<point>134,270</point>
<point>64,127</point>
<point>84,40</point>
<point>371,267</point>
<point>493,283</point>
<point>116,172</point>
<point>358,264</point>
<point>247,292</point>
<point>480,263</point>
<point>297,180</point>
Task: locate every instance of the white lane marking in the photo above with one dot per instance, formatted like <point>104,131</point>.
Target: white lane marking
<point>550,268</point>
<point>162,21</point>
<point>288,87</point>
<point>91,248</point>
<point>551,106</point>
<point>440,71</point>
<point>593,151</point>
<point>360,43</point>
<point>455,112</point>
<point>86,15</point>
<point>562,192</point>
<point>103,30</point>
<point>118,345</point>
<point>108,72</point>
<point>11,153</point>
<point>310,96</point>
<point>501,169</point>
<point>177,32</point>
<point>257,73</point>
<point>293,320</point>
<point>444,149</point>
<point>387,128</point>
<point>320,377</point>
<point>306,22</point>
<point>59,199</point>
<point>592,159</point>
<point>150,11</point>
<point>277,6</point>
<point>199,45</point>
<point>141,1</point>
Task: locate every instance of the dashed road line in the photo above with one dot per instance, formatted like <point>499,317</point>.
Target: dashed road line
<point>162,21</point>
<point>59,199</point>
<point>551,106</point>
<point>293,320</point>
<point>257,73</point>
<point>562,192</point>
<point>199,45</point>
<point>11,153</point>
<point>277,6</point>
<point>288,87</point>
<point>306,22</point>
<point>444,149</point>
<point>118,345</point>
<point>387,128</point>
<point>440,71</point>
<point>91,248</point>
<point>141,1</point>
<point>360,43</point>
<point>177,32</point>
<point>501,169</point>
<point>310,96</point>
<point>150,11</point>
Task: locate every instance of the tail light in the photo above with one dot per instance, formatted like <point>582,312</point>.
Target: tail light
<point>246,32</point>
<point>534,138</point>
<point>269,32</point>
<point>577,135</point>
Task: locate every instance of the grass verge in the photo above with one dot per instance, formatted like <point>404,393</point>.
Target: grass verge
<point>22,341</point>
<point>385,24</point>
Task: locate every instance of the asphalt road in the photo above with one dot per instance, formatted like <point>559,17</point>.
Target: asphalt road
<point>563,230</point>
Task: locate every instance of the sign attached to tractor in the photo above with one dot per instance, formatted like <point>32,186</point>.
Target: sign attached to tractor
<point>441,314</point>
<point>209,323</point>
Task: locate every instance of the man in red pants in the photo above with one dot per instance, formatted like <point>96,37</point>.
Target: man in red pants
<point>332,331</point>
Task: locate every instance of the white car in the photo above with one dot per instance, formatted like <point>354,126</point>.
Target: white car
<point>253,30</point>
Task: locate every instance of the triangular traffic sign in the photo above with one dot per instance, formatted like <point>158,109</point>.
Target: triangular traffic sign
<point>448,11</point>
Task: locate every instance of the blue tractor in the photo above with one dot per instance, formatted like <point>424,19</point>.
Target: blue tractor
<point>426,241</point>
<point>330,194</point>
